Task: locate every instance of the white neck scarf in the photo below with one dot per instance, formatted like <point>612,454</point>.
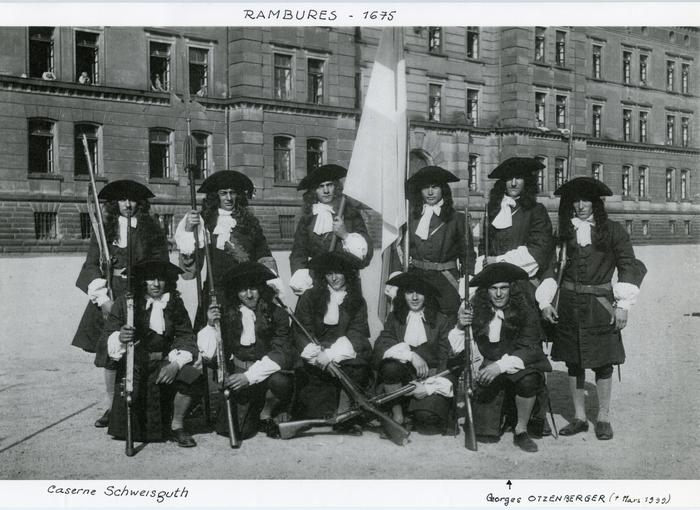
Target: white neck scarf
<point>333,313</point>
<point>504,217</point>
<point>583,230</point>
<point>248,320</point>
<point>495,327</point>
<point>415,331</point>
<point>224,225</point>
<point>123,225</point>
<point>157,322</point>
<point>324,218</point>
<point>423,229</point>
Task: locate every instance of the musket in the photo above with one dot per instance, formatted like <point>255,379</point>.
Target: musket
<point>393,430</point>
<point>190,166</point>
<point>97,222</point>
<point>560,275</point>
<point>291,429</point>
<point>129,374</point>
<point>221,370</point>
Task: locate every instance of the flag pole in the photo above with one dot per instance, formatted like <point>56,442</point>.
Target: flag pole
<point>407,208</point>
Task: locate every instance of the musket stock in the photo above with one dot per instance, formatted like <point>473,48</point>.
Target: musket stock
<point>129,374</point>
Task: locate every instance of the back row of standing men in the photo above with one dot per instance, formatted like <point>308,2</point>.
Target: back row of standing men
<point>517,276</point>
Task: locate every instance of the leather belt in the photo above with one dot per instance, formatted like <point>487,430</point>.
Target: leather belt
<point>434,266</point>
<point>601,292</point>
<point>239,363</point>
<point>155,356</point>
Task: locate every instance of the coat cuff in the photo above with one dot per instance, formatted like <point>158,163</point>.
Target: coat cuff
<point>115,349</point>
<point>206,342</point>
<point>341,350</point>
<point>185,240</point>
<point>301,281</point>
<point>180,357</point>
<point>356,245</point>
<point>401,352</point>
<point>438,386</point>
<point>456,338</point>
<point>310,352</point>
<point>261,370</point>
<point>510,364</point>
<point>545,292</point>
<point>521,258</point>
<point>97,291</point>
<point>625,295</point>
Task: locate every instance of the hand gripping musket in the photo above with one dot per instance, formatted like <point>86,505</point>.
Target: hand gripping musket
<point>292,429</point>
<point>341,210</point>
<point>190,166</point>
<point>129,374</point>
<point>98,226</point>
<point>560,275</point>
<point>222,372</point>
<point>394,431</point>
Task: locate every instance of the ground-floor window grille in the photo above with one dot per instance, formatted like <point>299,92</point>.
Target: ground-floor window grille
<point>85,226</point>
<point>45,225</point>
<point>166,224</point>
<point>286,222</point>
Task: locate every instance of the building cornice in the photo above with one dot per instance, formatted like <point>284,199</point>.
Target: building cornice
<point>293,107</point>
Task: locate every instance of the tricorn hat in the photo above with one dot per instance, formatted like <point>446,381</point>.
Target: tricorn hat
<point>429,175</point>
<point>498,273</point>
<point>516,167</point>
<point>333,261</point>
<point>416,281</point>
<point>247,275</point>
<point>155,268</point>
<point>584,187</point>
<point>227,179</point>
<point>324,173</point>
<point>125,189</point>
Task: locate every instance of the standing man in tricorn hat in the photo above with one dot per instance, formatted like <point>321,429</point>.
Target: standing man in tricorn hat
<point>592,310</point>
<point>124,199</point>
<point>321,220</point>
<point>520,233</point>
<point>234,232</point>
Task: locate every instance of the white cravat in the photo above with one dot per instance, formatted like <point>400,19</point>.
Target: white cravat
<point>333,313</point>
<point>224,225</point>
<point>423,229</point>
<point>248,321</point>
<point>504,217</point>
<point>324,218</point>
<point>123,226</point>
<point>495,327</point>
<point>157,322</point>
<point>583,230</point>
<point>415,332</point>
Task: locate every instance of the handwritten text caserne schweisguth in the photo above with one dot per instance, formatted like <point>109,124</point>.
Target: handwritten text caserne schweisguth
<point>122,491</point>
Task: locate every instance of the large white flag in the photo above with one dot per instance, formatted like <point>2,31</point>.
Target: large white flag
<point>378,164</point>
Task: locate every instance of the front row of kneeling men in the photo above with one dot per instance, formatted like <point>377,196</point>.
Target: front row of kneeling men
<point>266,354</point>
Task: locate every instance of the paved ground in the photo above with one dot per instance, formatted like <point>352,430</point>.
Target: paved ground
<point>50,394</point>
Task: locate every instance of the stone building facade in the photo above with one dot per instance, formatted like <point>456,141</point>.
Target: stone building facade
<point>616,102</point>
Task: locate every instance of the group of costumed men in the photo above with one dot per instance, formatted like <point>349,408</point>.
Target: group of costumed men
<point>530,286</point>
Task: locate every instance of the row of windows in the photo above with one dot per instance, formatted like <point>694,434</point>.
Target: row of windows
<point>435,111</point>
<point>284,148</point>
<point>646,229</point>
<point>283,78</point>
<point>435,41</point>
<point>42,154</point>
<point>671,191</point>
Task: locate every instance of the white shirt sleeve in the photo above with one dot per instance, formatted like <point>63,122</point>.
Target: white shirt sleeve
<point>301,281</point>
<point>355,245</point>
<point>185,240</point>
<point>206,342</point>
<point>401,352</point>
<point>180,357</point>
<point>510,364</point>
<point>341,350</point>
<point>625,294</point>
<point>521,258</point>
<point>456,338</point>
<point>438,386</point>
<point>97,291</point>
<point>545,292</point>
<point>310,352</point>
<point>115,349</point>
<point>261,370</point>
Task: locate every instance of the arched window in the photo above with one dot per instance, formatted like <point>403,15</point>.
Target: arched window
<point>41,146</point>
<point>418,159</point>
<point>315,153</point>
<point>91,132</point>
<point>202,153</point>
<point>159,149</point>
<point>284,159</point>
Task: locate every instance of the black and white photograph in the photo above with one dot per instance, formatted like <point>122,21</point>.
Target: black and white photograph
<point>313,245</point>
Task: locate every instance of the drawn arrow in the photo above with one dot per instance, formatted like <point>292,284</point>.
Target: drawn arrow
<point>509,484</point>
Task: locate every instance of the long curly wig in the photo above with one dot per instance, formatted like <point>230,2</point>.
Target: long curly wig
<point>447,211</point>
<point>400,307</point>
<point>146,225</point>
<point>309,196</point>
<point>246,221</point>
<point>484,313</point>
<point>528,198</point>
<point>320,295</point>
<point>599,237</point>
<point>141,318</point>
<point>231,312</point>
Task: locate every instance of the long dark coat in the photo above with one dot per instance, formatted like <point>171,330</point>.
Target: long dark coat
<point>434,351</point>
<point>586,334</point>
<point>446,242</point>
<point>149,242</point>
<point>307,244</point>
<point>248,243</point>
<point>152,403</point>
